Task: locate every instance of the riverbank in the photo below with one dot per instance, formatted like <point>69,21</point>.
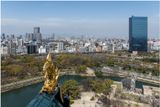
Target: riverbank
<point>30,81</point>
<point>138,78</point>
<point>19,84</point>
<point>108,71</point>
<point>149,81</point>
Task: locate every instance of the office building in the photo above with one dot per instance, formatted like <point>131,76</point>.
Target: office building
<point>31,49</point>
<point>138,31</point>
<point>4,50</point>
<point>29,37</point>
<point>37,35</point>
<point>11,47</point>
<point>36,29</point>
<point>60,46</point>
<point>3,36</point>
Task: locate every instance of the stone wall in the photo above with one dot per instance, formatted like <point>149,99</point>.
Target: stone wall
<point>19,84</point>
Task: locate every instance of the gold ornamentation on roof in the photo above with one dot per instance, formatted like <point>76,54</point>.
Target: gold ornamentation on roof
<point>51,74</point>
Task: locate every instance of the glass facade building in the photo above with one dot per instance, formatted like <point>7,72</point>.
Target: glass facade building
<point>138,33</point>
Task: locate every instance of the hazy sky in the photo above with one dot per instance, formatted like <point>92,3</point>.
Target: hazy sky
<point>107,18</point>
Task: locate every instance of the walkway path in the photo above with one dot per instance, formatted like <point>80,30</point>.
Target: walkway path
<point>123,73</point>
<point>85,100</point>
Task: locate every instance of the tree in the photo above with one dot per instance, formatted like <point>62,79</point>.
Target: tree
<point>156,70</point>
<point>14,69</point>
<point>7,61</point>
<point>72,60</point>
<point>71,87</point>
<point>98,85</point>
<point>110,61</point>
<point>98,74</point>
<point>81,69</point>
<point>105,100</point>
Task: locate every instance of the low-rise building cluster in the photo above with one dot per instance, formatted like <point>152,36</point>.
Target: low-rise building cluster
<point>33,43</point>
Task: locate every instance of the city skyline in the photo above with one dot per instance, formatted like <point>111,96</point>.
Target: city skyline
<point>78,18</point>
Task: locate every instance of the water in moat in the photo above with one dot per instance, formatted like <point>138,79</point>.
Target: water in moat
<point>22,96</point>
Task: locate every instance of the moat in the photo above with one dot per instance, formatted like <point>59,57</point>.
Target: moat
<point>22,96</point>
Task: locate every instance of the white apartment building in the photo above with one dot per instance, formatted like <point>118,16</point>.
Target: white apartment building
<point>60,46</point>
<point>42,50</point>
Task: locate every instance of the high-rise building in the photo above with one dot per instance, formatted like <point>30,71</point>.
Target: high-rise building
<point>36,30</point>
<point>138,31</point>
<point>53,36</point>
<point>37,34</point>
<point>12,36</point>
<point>29,37</point>
<point>31,49</point>
<point>11,47</point>
<point>3,36</point>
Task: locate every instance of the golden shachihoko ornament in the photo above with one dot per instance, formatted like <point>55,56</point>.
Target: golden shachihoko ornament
<point>51,74</point>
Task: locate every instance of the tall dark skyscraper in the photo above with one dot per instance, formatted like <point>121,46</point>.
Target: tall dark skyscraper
<point>138,32</point>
